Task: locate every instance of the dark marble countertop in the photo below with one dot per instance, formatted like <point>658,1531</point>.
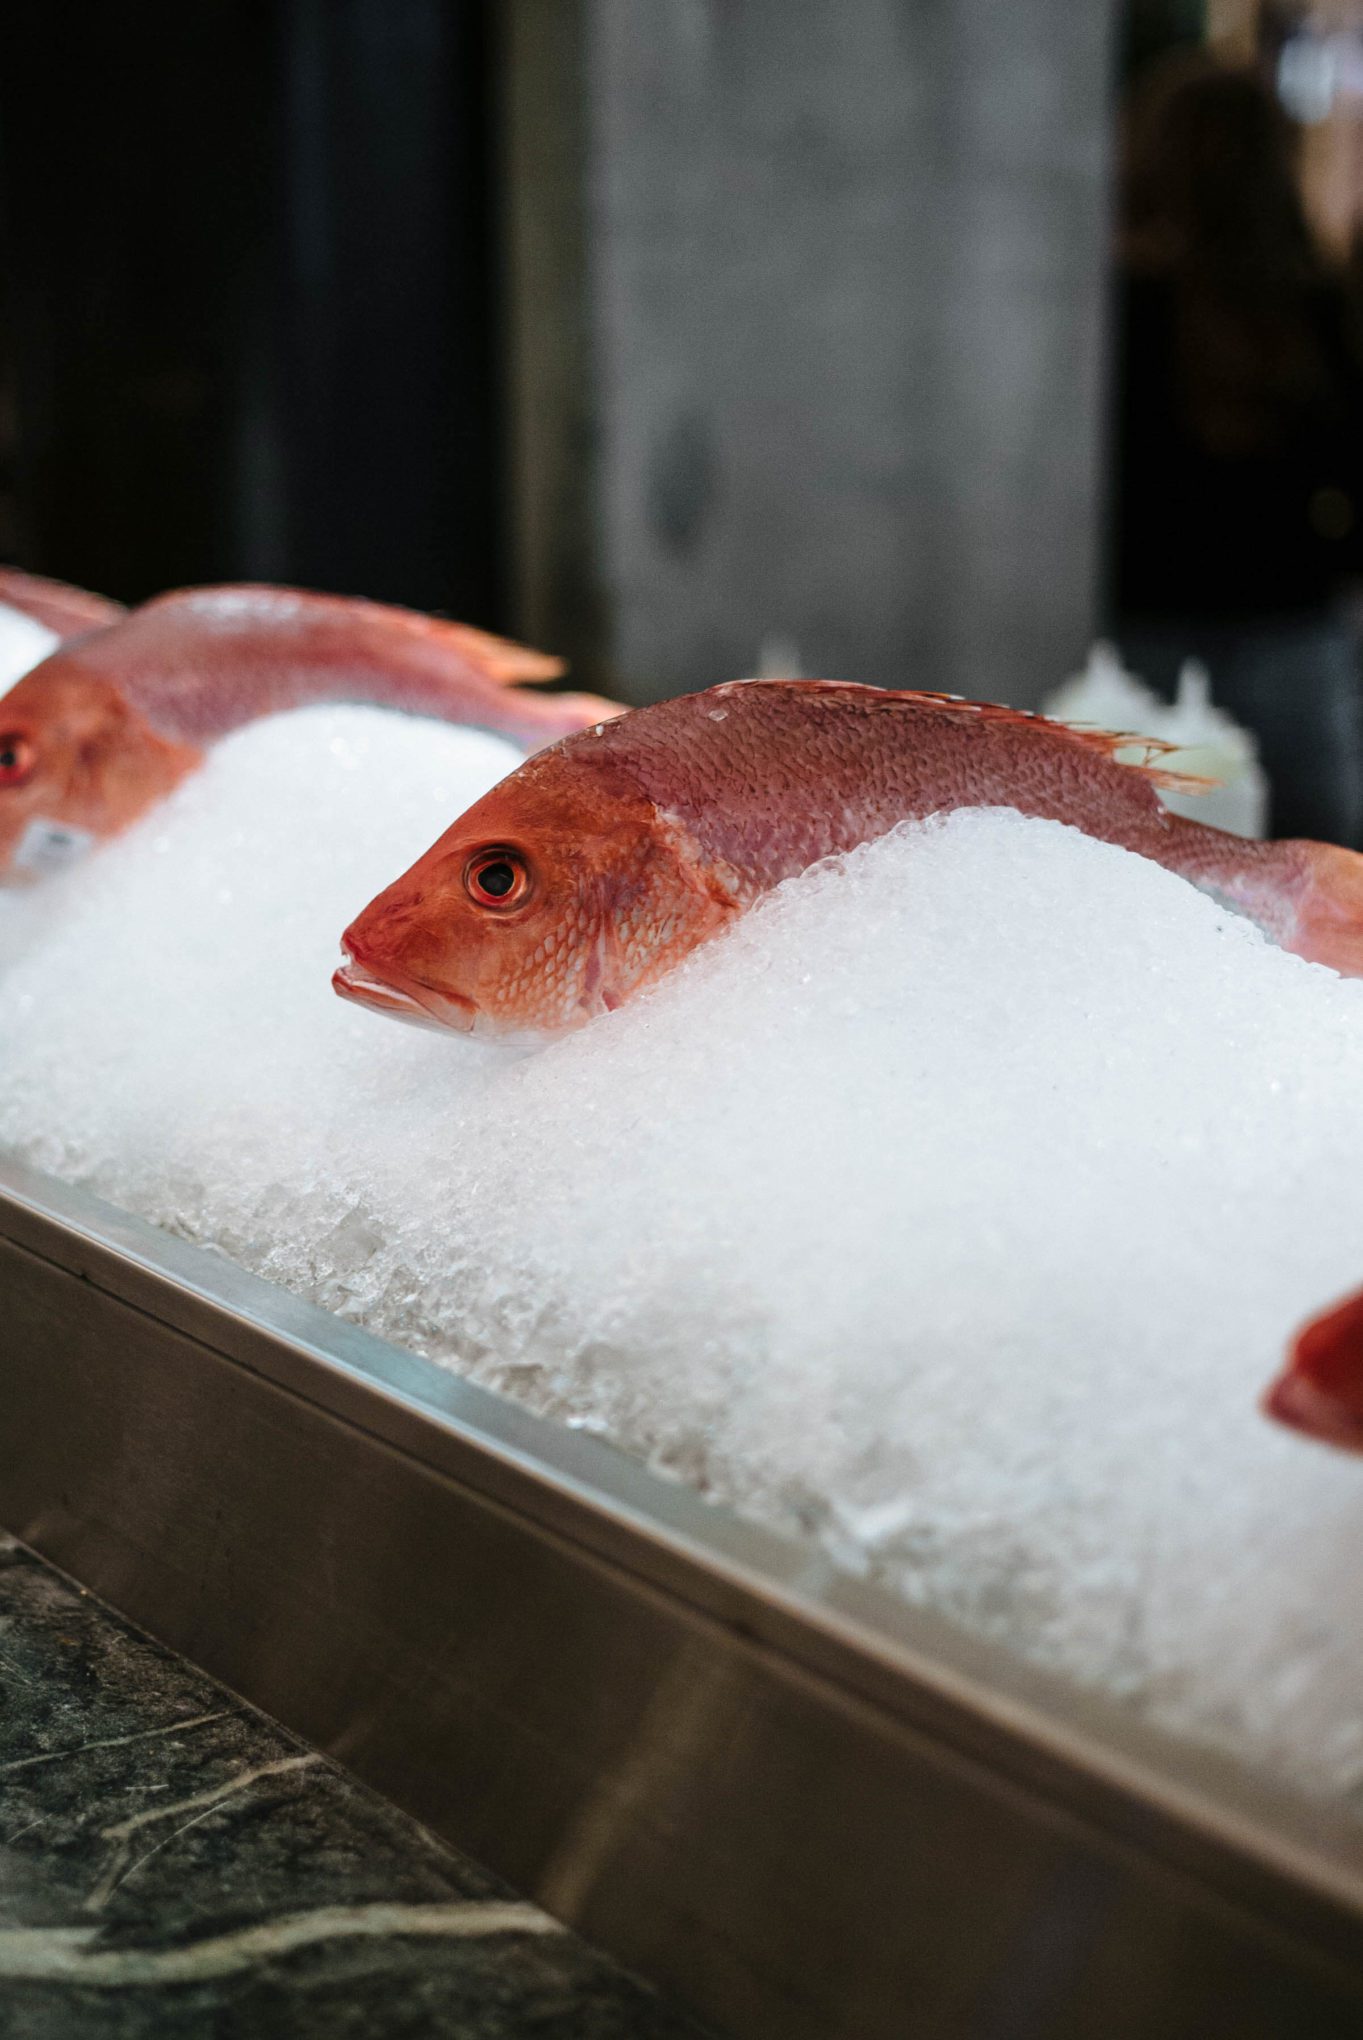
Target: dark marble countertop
<point>171,1863</point>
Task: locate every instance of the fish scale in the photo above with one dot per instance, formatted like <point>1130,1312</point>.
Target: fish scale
<point>799,770</point>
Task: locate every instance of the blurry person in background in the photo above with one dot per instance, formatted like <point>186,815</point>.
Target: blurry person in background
<point>1239,436</point>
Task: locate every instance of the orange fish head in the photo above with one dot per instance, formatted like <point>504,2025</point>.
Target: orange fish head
<point>77,764</point>
<point>556,897</point>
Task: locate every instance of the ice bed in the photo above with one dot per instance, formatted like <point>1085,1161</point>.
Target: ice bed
<point>799,1805</point>
<point>952,1647</point>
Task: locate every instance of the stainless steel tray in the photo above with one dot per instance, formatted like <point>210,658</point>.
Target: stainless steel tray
<point>800,1807</point>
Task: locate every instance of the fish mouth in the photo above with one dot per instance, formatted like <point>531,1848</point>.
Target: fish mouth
<point>419,1005</point>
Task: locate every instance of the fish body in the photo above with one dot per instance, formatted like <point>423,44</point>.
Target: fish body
<point>596,866</point>
<point>112,721</point>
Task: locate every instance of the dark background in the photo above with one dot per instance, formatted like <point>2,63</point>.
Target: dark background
<point>671,336</point>
<point>250,301</point>
<point>683,338</point>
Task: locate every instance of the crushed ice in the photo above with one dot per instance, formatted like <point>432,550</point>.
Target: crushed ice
<point>954,1209</point>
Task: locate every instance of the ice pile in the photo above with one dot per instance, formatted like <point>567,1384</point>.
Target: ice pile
<point>954,1209</point>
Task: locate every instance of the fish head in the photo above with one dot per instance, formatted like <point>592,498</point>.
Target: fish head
<point>77,764</point>
<point>552,900</point>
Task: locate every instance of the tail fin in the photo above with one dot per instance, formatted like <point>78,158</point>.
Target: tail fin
<point>202,661</point>
<point>497,658</point>
<point>1320,1391</point>
<point>1326,899</point>
<point>70,612</point>
<point>539,719</point>
<point>1307,897</point>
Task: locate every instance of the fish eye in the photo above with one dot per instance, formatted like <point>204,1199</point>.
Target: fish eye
<point>16,758</point>
<point>497,878</point>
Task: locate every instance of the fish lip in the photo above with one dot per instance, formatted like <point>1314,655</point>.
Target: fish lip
<point>420,1006</point>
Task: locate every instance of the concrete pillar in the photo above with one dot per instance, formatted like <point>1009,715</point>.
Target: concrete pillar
<point>809,313</point>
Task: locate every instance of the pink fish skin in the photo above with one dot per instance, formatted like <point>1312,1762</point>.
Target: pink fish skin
<point>108,724</point>
<point>595,867</point>
<point>70,612</point>
<point>1320,1391</point>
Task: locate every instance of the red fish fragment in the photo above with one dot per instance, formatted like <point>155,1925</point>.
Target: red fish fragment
<point>1320,1391</point>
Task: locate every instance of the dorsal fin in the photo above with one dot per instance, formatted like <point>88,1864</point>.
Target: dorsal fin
<point>1110,742</point>
<point>1107,743</point>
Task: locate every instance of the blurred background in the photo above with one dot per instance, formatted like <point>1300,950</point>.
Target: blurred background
<point>912,341</point>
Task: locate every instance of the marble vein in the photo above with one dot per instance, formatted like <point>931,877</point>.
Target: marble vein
<point>118,1870</point>
<point>65,1954</point>
<point>227,1790</point>
<point>157,1847</point>
<point>115,1742</point>
<point>234,1897</point>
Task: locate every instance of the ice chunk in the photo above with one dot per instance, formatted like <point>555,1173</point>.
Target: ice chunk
<point>954,1209</point>
<point>23,642</point>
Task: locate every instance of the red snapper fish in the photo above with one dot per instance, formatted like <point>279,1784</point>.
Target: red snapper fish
<point>110,722</point>
<point>597,866</point>
<point>1320,1391</point>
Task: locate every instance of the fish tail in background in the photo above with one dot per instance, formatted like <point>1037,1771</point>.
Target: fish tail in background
<point>534,720</point>
<point>499,659</point>
<point>445,670</point>
<point>1327,899</point>
<point>203,661</point>
<point>1320,1391</point>
<point>427,665</point>
<point>1308,897</point>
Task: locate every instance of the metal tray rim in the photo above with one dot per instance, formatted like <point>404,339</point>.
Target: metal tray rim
<point>1197,1810</point>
